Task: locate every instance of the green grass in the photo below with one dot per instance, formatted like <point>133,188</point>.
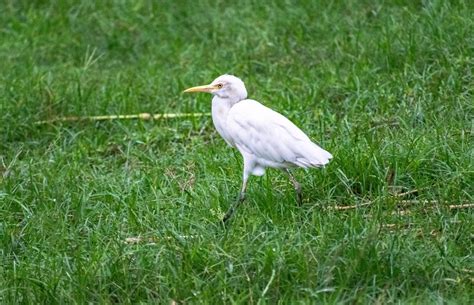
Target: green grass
<point>386,86</point>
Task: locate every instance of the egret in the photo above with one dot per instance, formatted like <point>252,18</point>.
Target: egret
<point>264,137</point>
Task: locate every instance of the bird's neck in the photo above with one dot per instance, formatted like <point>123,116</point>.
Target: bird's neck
<point>221,107</point>
<point>220,111</point>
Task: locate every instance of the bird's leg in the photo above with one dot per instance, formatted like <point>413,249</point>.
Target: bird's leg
<point>299,195</point>
<point>239,200</point>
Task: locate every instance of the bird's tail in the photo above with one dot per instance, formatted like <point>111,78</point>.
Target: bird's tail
<point>314,156</point>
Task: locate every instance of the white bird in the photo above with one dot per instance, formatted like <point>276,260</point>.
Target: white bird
<point>264,137</point>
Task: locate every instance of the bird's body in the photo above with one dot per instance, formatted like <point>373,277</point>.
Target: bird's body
<point>264,137</point>
<point>268,139</point>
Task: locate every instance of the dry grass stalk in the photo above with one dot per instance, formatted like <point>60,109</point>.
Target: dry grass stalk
<point>405,193</point>
<point>348,207</point>
<point>154,240</point>
<point>403,202</point>
<point>140,116</point>
<point>461,206</point>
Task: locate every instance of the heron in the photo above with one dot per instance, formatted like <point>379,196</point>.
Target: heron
<point>264,137</point>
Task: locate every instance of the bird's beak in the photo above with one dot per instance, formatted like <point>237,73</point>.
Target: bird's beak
<point>205,88</point>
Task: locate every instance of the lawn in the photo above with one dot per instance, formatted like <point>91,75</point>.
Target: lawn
<point>127,211</point>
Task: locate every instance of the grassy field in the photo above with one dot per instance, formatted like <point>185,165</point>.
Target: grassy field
<point>386,86</point>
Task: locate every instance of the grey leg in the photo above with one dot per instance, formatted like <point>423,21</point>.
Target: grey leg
<point>239,200</point>
<point>299,195</point>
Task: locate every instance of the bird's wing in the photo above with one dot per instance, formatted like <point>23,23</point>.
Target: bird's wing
<point>266,134</point>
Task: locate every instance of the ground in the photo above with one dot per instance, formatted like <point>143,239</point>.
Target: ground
<point>127,210</point>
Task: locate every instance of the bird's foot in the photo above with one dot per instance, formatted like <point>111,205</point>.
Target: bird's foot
<point>299,194</point>
<point>233,207</point>
<point>299,198</point>
<point>227,216</point>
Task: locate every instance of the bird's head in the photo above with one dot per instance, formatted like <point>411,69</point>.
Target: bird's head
<point>225,86</point>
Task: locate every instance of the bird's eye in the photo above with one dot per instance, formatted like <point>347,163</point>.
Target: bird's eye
<point>219,86</point>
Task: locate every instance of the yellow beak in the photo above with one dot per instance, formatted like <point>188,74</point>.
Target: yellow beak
<point>206,88</point>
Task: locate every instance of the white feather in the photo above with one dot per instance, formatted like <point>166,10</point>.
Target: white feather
<point>270,139</point>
